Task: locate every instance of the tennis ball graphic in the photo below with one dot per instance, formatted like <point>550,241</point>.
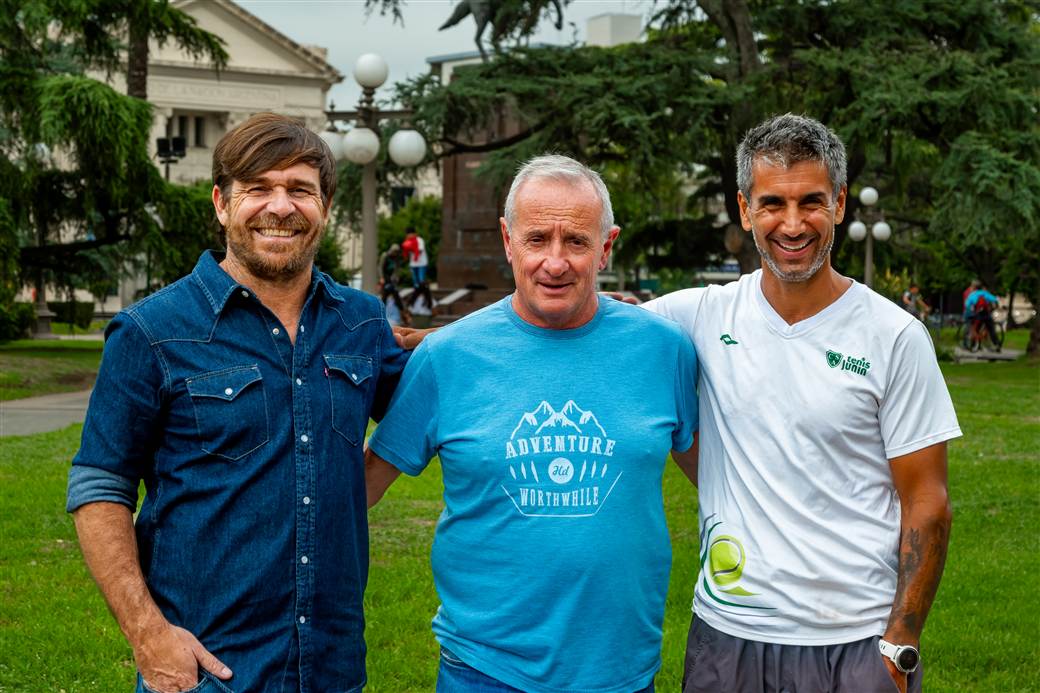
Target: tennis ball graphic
<point>726,560</point>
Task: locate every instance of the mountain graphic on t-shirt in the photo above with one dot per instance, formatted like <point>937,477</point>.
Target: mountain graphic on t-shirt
<point>573,411</point>
<point>545,417</point>
<point>559,463</point>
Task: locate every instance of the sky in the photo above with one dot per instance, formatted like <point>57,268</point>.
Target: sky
<point>342,27</point>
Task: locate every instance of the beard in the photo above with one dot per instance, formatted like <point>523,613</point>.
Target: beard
<point>794,276</point>
<point>285,263</point>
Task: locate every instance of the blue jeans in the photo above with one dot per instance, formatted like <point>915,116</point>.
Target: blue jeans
<point>418,275</point>
<point>455,676</point>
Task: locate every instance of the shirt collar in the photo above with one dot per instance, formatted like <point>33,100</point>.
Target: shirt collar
<point>218,286</point>
<point>332,290</point>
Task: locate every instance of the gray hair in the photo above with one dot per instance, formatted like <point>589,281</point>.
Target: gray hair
<point>784,141</point>
<point>564,169</point>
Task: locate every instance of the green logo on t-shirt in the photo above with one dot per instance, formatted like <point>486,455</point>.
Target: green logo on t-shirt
<point>728,341</point>
<point>859,366</point>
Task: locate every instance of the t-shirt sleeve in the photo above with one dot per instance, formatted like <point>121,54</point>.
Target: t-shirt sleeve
<point>407,435</point>
<point>119,433</point>
<point>679,306</point>
<point>917,410</point>
<point>685,396</point>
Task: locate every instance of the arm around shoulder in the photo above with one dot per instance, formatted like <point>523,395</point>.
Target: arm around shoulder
<point>687,461</point>
<point>379,474</point>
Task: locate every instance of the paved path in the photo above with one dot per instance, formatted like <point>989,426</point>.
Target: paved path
<point>964,356</point>
<point>22,417</point>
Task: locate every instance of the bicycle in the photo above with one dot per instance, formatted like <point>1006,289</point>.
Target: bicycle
<point>972,333</point>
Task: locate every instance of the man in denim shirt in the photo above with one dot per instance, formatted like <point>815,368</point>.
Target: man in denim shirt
<point>240,395</point>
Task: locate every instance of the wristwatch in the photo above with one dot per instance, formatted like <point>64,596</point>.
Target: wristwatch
<point>905,657</point>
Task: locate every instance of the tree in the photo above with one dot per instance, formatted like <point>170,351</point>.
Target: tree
<point>916,88</point>
<point>75,166</point>
<point>329,257</point>
<point>998,242</point>
<point>155,20</point>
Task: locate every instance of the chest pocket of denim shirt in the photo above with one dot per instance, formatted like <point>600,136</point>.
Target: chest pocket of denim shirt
<point>348,376</point>
<point>230,411</point>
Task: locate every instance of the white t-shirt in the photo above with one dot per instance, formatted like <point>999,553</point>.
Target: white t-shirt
<point>420,259</point>
<point>799,519</point>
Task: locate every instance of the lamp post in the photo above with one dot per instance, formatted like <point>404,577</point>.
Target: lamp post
<point>361,146</point>
<point>858,231</point>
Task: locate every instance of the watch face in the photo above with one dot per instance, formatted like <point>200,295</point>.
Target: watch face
<point>907,659</point>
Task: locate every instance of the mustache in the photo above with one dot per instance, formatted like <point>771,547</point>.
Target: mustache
<point>293,222</point>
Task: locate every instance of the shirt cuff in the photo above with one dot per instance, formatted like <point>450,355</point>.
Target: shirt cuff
<point>93,485</point>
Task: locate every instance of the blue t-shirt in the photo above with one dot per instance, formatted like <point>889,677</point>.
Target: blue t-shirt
<point>973,299</point>
<point>551,558</point>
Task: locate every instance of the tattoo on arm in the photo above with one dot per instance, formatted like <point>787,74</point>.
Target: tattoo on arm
<point>922,556</point>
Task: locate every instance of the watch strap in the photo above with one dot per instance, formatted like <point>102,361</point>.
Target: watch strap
<point>892,651</point>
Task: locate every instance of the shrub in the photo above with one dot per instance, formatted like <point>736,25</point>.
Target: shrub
<point>16,320</point>
<point>79,313</point>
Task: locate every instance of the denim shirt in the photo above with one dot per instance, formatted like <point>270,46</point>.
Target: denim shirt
<point>253,534</point>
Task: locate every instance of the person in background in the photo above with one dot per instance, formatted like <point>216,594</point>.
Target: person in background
<point>414,248</point>
<point>973,286</point>
<point>390,263</point>
<point>915,304</point>
<point>396,314</point>
<point>978,308</point>
<point>421,305</point>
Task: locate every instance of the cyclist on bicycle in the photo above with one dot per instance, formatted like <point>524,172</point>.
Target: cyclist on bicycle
<point>915,304</point>
<point>978,309</point>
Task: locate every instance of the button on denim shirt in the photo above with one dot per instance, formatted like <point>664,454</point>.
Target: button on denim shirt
<point>253,533</point>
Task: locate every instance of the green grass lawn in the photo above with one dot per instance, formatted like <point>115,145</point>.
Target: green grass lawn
<point>983,633</point>
<point>1016,339</point>
<point>31,367</point>
<point>64,328</point>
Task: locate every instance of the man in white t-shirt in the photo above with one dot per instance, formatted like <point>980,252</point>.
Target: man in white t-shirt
<point>824,516</point>
<point>414,248</point>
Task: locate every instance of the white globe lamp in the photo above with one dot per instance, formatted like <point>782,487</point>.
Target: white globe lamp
<point>857,230</point>
<point>407,148</point>
<point>335,142</point>
<point>868,196</point>
<point>881,231</point>
<point>361,146</point>
<point>371,71</point>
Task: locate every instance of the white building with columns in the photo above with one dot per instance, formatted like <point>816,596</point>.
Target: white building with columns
<point>266,71</point>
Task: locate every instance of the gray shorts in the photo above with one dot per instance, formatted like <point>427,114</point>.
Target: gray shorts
<point>717,662</point>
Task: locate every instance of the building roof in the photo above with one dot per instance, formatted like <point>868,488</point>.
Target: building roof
<point>470,55</point>
<point>310,57</point>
